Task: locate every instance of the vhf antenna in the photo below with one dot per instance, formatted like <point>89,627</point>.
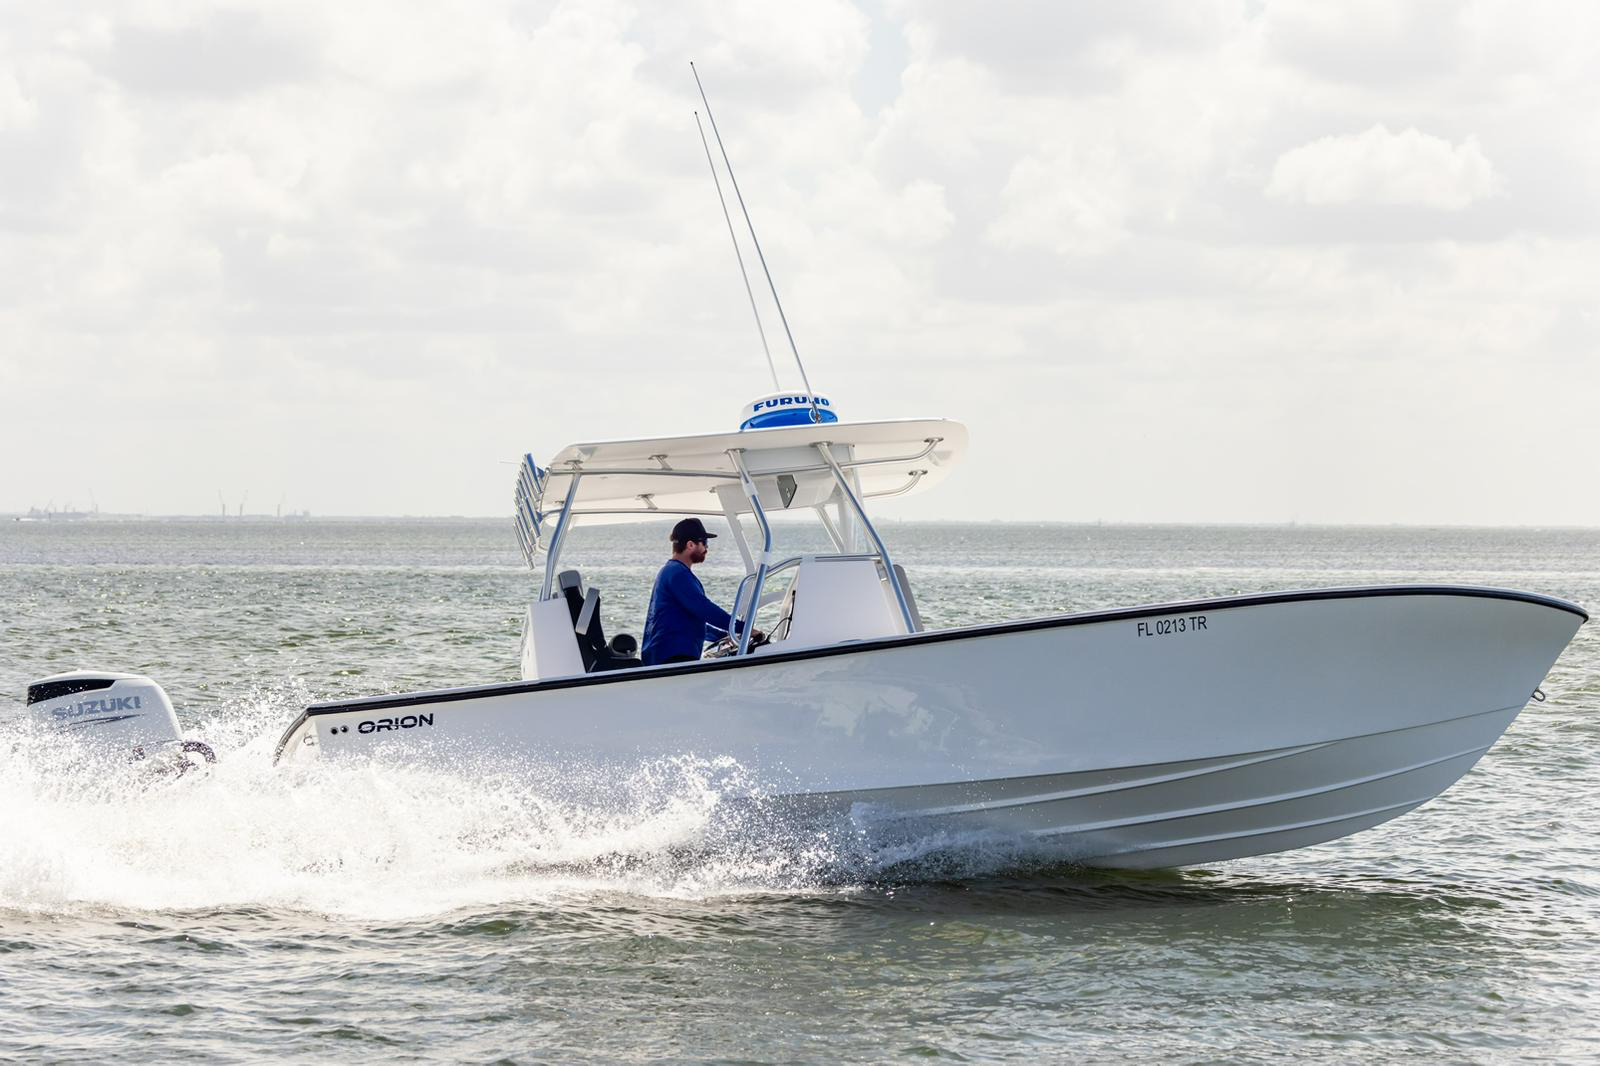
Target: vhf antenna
<point>816,414</point>
<point>743,273</point>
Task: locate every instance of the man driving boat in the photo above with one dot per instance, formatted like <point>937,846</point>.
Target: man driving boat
<point>682,617</point>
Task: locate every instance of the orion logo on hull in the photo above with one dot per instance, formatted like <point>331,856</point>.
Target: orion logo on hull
<point>408,721</point>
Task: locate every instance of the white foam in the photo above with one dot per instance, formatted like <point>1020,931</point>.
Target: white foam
<point>392,839</point>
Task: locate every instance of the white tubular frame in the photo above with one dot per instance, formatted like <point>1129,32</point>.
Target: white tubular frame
<point>728,496</point>
<point>562,525</point>
<point>833,531</point>
<point>757,566</point>
<point>762,561</point>
<point>826,449</point>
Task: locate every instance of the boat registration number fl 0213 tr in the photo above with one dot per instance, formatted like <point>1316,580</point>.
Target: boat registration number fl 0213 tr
<point>1168,627</point>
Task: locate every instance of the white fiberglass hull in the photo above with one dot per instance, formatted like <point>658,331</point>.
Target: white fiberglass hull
<point>1158,736</point>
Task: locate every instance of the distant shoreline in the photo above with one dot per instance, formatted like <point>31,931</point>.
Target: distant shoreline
<point>23,518</point>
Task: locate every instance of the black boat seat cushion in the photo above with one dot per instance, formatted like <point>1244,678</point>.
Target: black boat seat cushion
<point>584,607</point>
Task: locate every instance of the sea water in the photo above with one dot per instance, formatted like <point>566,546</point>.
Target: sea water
<point>388,912</point>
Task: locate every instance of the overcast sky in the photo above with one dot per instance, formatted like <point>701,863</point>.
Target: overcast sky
<point>1169,261</point>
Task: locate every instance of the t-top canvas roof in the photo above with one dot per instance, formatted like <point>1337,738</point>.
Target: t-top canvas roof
<point>682,474</point>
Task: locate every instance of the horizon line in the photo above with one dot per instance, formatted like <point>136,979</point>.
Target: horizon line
<point>300,517</point>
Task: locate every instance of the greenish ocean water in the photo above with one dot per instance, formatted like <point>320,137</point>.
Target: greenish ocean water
<point>398,913</point>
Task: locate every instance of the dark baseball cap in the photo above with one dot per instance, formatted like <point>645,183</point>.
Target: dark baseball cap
<point>691,529</point>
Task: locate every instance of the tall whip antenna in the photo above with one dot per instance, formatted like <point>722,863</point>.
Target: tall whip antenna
<point>816,414</point>
<point>743,273</point>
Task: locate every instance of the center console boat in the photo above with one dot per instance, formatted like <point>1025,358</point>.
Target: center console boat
<point>1149,736</point>
<point>1159,735</point>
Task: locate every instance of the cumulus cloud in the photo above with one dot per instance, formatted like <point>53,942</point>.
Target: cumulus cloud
<point>1038,47</point>
<point>224,53</point>
<point>1409,168</point>
<point>16,110</point>
<point>1371,42</point>
<point>1070,206</point>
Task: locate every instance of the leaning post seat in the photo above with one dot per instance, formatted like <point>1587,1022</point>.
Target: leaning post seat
<point>584,609</point>
<point>549,647</point>
<point>570,582</point>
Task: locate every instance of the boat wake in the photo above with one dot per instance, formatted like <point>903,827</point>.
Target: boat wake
<point>395,839</point>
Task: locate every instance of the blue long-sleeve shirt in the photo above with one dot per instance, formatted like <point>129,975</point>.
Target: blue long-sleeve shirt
<point>681,617</point>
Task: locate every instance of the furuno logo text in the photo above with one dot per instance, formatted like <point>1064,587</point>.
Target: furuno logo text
<point>788,401</point>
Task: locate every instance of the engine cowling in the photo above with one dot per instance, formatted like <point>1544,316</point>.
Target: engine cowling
<point>110,714</point>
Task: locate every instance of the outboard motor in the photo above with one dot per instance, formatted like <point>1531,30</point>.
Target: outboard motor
<point>115,717</point>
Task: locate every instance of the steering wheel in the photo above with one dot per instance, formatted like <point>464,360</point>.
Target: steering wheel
<point>729,645</point>
<point>721,649</point>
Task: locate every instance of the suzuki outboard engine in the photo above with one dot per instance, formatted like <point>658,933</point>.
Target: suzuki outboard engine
<point>121,717</point>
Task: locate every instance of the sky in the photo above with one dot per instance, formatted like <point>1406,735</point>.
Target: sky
<point>1175,261</point>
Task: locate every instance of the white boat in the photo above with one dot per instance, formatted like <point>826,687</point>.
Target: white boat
<point>1160,735</point>
<point>1152,736</point>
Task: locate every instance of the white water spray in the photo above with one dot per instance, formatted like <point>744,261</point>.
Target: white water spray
<point>396,840</point>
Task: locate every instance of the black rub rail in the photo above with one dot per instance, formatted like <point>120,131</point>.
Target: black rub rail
<point>507,688</point>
